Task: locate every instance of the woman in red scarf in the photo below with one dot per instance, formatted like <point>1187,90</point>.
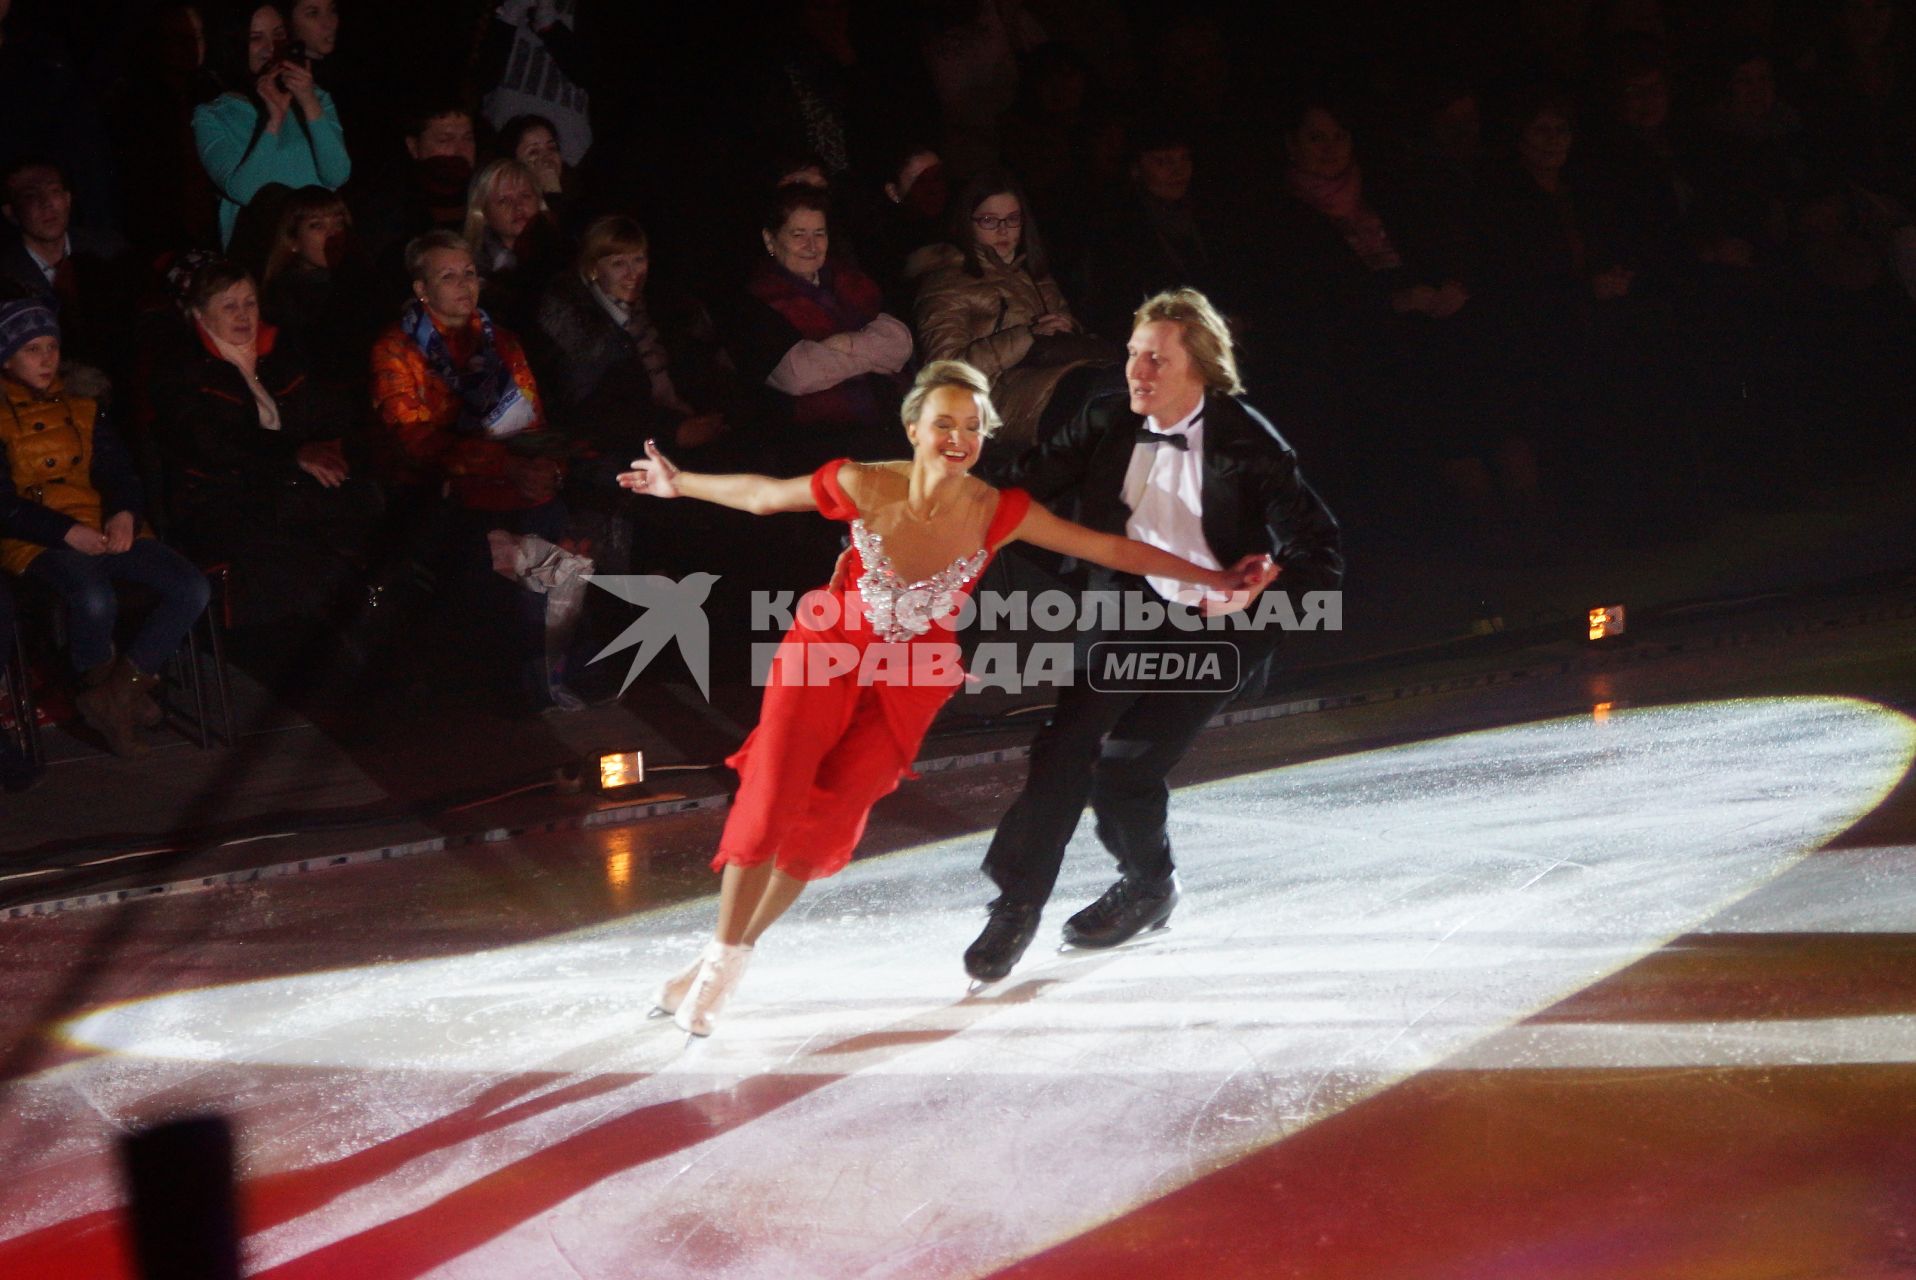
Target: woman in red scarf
<point>814,333</point>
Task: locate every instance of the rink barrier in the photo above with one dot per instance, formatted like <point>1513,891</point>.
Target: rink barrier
<point>1591,661</point>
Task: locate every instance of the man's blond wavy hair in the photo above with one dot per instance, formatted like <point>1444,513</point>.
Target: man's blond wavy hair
<point>1207,338</point>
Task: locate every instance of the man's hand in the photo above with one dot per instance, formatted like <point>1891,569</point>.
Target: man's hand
<point>1253,574</point>
<point>119,533</point>
<point>536,479</point>
<point>839,342</point>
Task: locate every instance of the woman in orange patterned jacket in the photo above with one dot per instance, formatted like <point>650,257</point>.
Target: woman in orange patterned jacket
<point>462,434</point>
<point>452,391</point>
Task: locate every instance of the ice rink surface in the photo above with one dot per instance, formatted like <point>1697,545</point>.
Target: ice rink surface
<point>1347,924</point>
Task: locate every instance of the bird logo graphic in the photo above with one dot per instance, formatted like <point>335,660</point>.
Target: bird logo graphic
<point>673,611</point>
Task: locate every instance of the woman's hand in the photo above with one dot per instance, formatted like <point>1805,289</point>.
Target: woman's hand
<point>324,462</point>
<point>119,532</point>
<point>652,474</point>
<point>300,87</point>
<point>839,342</point>
<point>274,95</point>
<point>87,540</point>
<point>1051,322</point>
<point>1243,582</point>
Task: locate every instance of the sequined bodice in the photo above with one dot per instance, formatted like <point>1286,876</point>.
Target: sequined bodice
<point>899,610</point>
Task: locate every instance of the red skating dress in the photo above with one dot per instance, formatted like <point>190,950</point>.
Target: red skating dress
<point>854,686</point>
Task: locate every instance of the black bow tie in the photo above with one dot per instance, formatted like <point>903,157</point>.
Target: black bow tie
<point>1147,436</point>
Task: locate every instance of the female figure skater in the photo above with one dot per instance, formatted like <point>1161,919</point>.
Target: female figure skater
<point>835,736</point>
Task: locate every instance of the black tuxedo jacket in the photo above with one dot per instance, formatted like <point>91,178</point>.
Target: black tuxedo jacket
<point>1255,502</point>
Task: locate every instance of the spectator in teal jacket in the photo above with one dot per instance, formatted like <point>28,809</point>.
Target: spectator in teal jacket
<point>272,125</point>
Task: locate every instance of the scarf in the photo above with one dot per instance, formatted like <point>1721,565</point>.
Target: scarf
<point>491,403</point>
<point>843,300</point>
<point>246,360</point>
<point>1341,199</point>
<point>637,322</point>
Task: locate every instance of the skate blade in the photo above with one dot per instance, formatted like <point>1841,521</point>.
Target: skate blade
<point>1069,948</point>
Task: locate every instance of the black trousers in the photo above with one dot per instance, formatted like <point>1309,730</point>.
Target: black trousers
<point>1114,750</point>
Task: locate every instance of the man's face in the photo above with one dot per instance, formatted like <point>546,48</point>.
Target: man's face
<point>1166,172</point>
<point>447,135</point>
<point>1164,382</point>
<point>39,204</point>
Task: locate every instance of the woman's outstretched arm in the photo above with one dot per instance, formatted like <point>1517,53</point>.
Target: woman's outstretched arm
<point>1042,529</point>
<point>758,495</point>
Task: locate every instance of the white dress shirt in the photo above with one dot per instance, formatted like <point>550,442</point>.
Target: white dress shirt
<point>48,269</point>
<point>1164,487</point>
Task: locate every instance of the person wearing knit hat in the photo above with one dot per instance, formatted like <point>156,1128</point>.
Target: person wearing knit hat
<point>70,517</point>
<point>21,321</point>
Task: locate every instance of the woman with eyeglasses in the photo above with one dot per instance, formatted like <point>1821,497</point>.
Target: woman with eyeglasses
<point>990,300</point>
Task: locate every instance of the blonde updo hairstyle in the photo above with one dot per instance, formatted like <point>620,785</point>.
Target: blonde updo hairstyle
<point>951,373</point>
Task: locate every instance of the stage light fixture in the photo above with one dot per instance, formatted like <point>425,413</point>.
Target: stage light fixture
<point>620,769</point>
<point>1606,621</point>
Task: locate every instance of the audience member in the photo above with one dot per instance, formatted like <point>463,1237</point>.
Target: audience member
<point>273,123</point>
<point>1749,160</point>
<point>622,362</point>
<point>537,62</point>
<point>78,529</point>
<point>84,274</point>
<point>427,192</point>
<point>534,143</point>
<point>1157,233</point>
<point>152,119</point>
<point>318,287</point>
<point>815,331</point>
<point>1861,95</point>
<point>1373,344</point>
<point>1546,265</point>
<point>1067,150</point>
<point>462,434</point>
<point>264,467</point>
<point>48,109</point>
<point>991,301</point>
<point>314,27</point>
<point>908,226</point>
<point>970,51</point>
<point>514,239</point>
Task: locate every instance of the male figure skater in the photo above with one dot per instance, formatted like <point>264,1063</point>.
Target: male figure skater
<point>1177,460</point>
